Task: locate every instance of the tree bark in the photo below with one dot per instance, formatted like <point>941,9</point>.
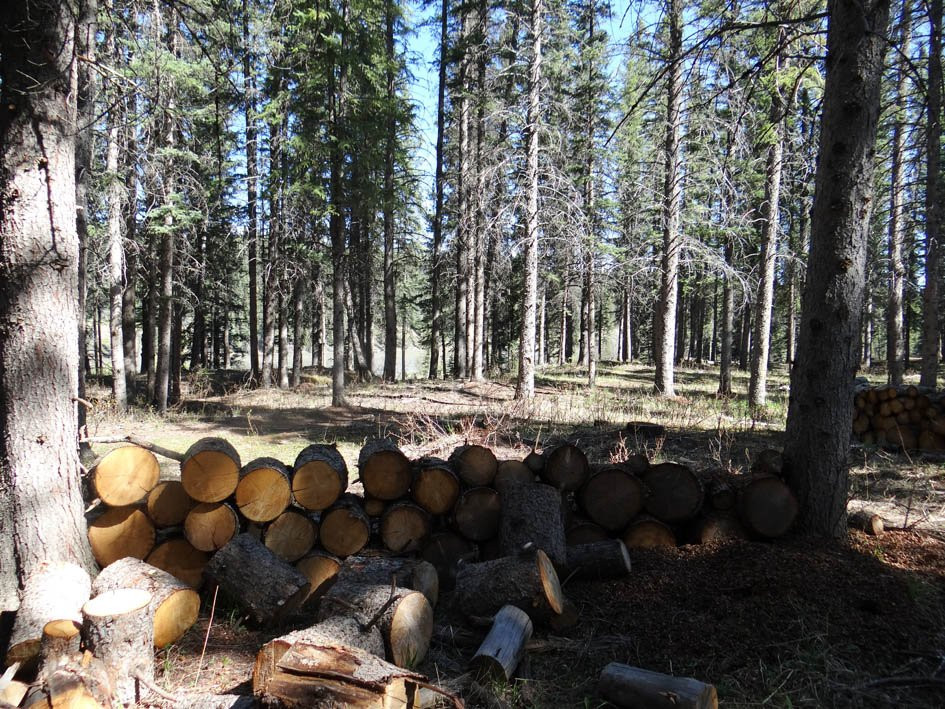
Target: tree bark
<point>249,100</point>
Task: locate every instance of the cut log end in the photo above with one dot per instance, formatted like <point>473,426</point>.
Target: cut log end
<point>210,470</point>
<point>320,477</point>
<point>291,535</point>
<point>264,490</point>
<point>211,525</point>
<point>168,504</point>
<point>385,472</point>
<point>125,475</point>
<point>121,532</point>
<point>476,465</point>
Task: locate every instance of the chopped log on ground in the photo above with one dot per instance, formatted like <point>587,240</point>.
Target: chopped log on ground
<point>477,513</point>
<point>320,568</point>
<point>291,535</point>
<point>527,580</point>
<point>264,490</point>
<point>61,641</point>
<point>535,462</point>
<point>320,477</point>
<point>415,574</point>
<point>405,527</point>
<point>119,532</point>
<point>768,462</point>
<point>264,585</point>
<point>180,559</point>
<point>118,630</point>
<point>125,475</point>
<point>168,504</point>
<point>54,593</point>
<point>75,684</point>
<point>446,550</point>
<point>345,528</point>
<point>612,497</point>
<point>384,470</point>
<point>327,674</point>
<point>531,515</point>
<point>718,527</point>
<point>583,531</point>
<point>512,471</point>
<point>211,525</point>
<point>435,486</point>
<point>504,646</point>
<point>174,605</point>
<point>675,494</point>
<point>767,506</point>
<point>634,688</point>
<point>210,470</point>
<point>600,560</point>
<point>566,468</point>
<point>866,521</point>
<point>475,465</point>
<point>646,532</point>
<point>404,617</point>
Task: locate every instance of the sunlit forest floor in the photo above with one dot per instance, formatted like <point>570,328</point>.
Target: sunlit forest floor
<point>790,623</point>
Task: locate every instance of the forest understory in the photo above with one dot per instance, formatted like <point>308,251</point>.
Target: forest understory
<point>789,623</point>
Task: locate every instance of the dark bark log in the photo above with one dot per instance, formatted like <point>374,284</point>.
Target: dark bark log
<point>626,686</point>
<point>446,551</point>
<point>599,560</point>
<point>866,521</point>
<point>415,574</point>
<point>531,518</point>
<point>504,647</point>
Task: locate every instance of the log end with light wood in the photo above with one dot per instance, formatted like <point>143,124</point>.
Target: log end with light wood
<point>385,471</point>
<point>477,513</point>
<point>74,684</point>
<point>531,515</point>
<point>435,486</point>
<point>612,497</point>
<point>647,532</point>
<point>345,528</point>
<point>291,535</point>
<point>600,560</point>
<point>125,475</point>
<point>767,506</point>
<point>504,646</point>
<point>475,465</point>
<point>180,559</point>
<point>566,468</point>
<point>405,527</point>
<point>320,568</point>
<point>211,525</point>
<point>512,471</point>
<point>320,477</point>
<point>583,531</point>
<point>415,574</point>
<point>168,504</point>
<point>866,521</point>
<point>264,585</point>
<point>635,688</point>
<point>264,489</point>
<point>210,470</point>
<point>675,493</point>
<point>119,532</point>
<point>174,605</point>
<point>119,631</point>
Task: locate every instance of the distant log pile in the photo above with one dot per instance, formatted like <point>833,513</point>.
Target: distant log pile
<point>906,417</point>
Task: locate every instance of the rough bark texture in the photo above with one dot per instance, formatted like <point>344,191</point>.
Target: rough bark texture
<point>531,515</point>
<point>40,495</point>
<point>600,560</point>
<point>446,551</point>
<point>414,574</point>
<point>821,406</point>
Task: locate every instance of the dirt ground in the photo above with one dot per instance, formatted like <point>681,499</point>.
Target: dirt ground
<point>784,624</point>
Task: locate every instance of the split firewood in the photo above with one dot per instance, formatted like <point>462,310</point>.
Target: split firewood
<point>446,550</point>
<point>504,646</point>
<point>600,560</point>
<point>566,468</point>
<point>174,605</point>
<point>435,486</point>
<point>119,631</point>
<point>119,532</point>
<point>475,465</point>
<point>612,497</point>
<point>12,691</point>
<point>180,559</point>
<point>404,617</point>
<point>345,528</point>
<point>211,525</point>
<point>54,593</point>
<point>168,504</point>
<point>264,585</point>
<point>384,470</point>
<point>675,493</point>
<point>125,475</point>
<point>646,532</point>
<point>633,688</point>
<point>291,535</point>
<point>210,470</point>
<point>866,521</point>
<point>512,471</point>
<point>531,514</point>
<point>767,506</point>
<point>320,477</point>
<point>264,490</point>
<point>477,513</point>
<point>405,527</point>
<point>320,568</point>
<point>415,574</point>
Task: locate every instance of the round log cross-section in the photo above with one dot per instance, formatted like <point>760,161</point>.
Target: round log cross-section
<point>385,471</point>
<point>320,477</point>
<point>210,470</point>
<point>476,465</point>
<point>125,475</point>
<point>264,489</point>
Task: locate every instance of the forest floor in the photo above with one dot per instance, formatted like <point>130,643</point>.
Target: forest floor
<point>784,624</point>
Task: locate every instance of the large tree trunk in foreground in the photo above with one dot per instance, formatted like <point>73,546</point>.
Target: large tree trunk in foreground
<point>821,408</point>
<point>40,496</point>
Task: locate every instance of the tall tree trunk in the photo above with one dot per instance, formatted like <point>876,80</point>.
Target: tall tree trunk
<point>728,324</point>
<point>478,241</point>
<point>541,329</point>
<point>129,333</point>
<point>298,330</point>
<point>283,342</point>
<point>436,270</point>
<point>665,324</point>
<point>461,314</point>
<point>252,229</point>
<point>933,202</point>
<point>817,440</point>
<point>390,293</point>
<point>338,109</point>
<point>40,493</point>
<point>318,318</point>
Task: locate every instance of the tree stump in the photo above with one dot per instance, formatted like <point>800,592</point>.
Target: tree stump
<point>647,532</point>
<point>210,470</point>
<point>174,605</point>
<point>512,471</point>
<point>119,532</point>
<point>477,513</point>
<point>415,574</point>
<point>125,475</point>
<point>180,559</point>
<point>633,688</point>
<point>264,490</point>
<point>168,504</point>
<point>55,593</point>
<point>119,631</point>
<point>445,550</point>
<point>675,493</point>
<point>866,521</point>
<point>320,568</point>
<point>566,468</point>
<point>531,515</point>
<point>476,465</point>
<point>385,471</point>
<point>600,560</point>
<point>345,528</point>
<point>211,525</point>
<point>527,581</point>
<point>612,497</point>
<point>404,617</point>
<point>767,506</point>
<point>435,486</point>
<point>504,646</point>
<point>405,527</point>
<point>291,535</point>
<point>320,477</point>
<point>264,585</point>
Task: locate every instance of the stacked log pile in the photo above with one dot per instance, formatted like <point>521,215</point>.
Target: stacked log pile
<point>906,417</point>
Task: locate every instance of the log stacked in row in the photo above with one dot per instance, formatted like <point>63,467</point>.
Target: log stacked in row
<point>907,417</point>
